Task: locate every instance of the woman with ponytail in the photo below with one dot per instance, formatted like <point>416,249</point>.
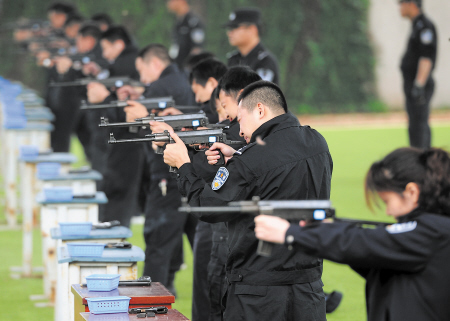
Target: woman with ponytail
<point>406,265</point>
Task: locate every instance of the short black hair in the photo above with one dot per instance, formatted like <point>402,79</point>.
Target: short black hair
<point>264,92</point>
<point>206,69</point>
<point>102,18</point>
<point>155,50</point>
<point>194,59</point>
<point>73,18</point>
<point>90,30</point>
<point>117,33</point>
<point>62,7</point>
<point>417,2</point>
<point>236,79</point>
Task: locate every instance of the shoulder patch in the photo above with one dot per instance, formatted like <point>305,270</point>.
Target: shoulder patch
<point>426,36</point>
<point>220,179</point>
<point>198,36</point>
<point>266,74</point>
<point>401,227</point>
<point>262,55</point>
<point>232,53</point>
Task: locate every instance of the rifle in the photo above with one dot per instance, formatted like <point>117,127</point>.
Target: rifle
<point>151,103</point>
<point>108,82</point>
<point>78,60</point>
<point>309,210</point>
<point>195,137</point>
<point>177,122</point>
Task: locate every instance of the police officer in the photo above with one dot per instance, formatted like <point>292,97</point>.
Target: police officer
<point>282,160</point>
<point>122,163</point>
<point>244,28</point>
<point>164,225</point>
<point>188,34</point>
<point>417,66</point>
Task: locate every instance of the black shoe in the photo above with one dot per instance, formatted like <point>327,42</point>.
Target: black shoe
<point>332,300</point>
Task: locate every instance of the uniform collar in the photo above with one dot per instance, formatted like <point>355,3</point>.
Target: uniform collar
<point>417,19</point>
<point>410,216</point>
<point>254,52</point>
<point>277,123</point>
<point>172,68</point>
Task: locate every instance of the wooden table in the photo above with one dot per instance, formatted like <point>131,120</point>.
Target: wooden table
<point>172,315</point>
<point>141,296</point>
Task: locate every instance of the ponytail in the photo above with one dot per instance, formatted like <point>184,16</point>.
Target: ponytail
<point>429,169</point>
<point>435,190</point>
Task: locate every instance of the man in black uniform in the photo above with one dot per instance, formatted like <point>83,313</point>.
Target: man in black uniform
<point>244,27</point>
<point>189,32</point>
<point>122,162</point>
<point>282,160</point>
<point>164,225</point>
<point>417,65</point>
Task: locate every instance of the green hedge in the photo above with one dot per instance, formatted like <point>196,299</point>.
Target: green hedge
<point>326,60</point>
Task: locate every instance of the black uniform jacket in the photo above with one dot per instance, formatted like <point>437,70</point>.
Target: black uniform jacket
<point>260,60</point>
<point>422,43</point>
<point>294,163</point>
<point>188,34</point>
<point>173,83</point>
<point>405,265</point>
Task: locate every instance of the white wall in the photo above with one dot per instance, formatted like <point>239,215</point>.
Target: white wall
<point>390,32</point>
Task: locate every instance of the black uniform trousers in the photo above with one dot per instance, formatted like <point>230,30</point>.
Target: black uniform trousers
<point>418,114</point>
<point>202,253</point>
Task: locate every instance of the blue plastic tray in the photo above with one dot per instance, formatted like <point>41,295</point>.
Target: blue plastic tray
<point>58,193</point>
<point>75,228</point>
<point>48,170</point>
<point>28,152</point>
<point>79,249</point>
<point>113,304</point>
<point>102,282</point>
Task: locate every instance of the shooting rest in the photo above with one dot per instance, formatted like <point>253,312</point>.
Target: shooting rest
<point>52,212</point>
<point>73,270</point>
<point>29,189</point>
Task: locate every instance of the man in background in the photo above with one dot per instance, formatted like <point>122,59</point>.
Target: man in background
<point>188,34</point>
<point>417,66</point>
<point>244,29</point>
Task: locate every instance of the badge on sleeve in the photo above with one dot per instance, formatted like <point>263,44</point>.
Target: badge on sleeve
<point>220,179</point>
<point>265,74</point>
<point>401,227</point>
<point>426,36</point>
<point>198,36</point>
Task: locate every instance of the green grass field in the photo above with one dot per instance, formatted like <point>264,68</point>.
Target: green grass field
<point>353,151</point>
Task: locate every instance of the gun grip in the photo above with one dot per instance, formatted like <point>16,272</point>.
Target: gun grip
<point>172,169</point>
<point>160,150</point>
<point>264,248</point>
<point>221,160</point>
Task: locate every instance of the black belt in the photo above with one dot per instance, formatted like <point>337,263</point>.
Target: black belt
<point>275,277</point>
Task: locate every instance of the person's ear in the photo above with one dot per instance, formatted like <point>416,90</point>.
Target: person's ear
<point>212,82</point>
<point>412,192</point>
<point>261,110</point>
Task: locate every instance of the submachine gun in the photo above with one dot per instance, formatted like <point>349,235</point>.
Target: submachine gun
<point>158,103</point>
<point>193,137</point>
<point>110,82</point>
<point>177,122</point>
<point>293,211</point>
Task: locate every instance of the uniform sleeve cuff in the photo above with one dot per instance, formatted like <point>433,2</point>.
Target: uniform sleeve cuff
<point>289,238</point>
<point>185,169</point>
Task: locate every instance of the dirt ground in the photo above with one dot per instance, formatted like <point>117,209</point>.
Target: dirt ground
<point>395,118</point>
